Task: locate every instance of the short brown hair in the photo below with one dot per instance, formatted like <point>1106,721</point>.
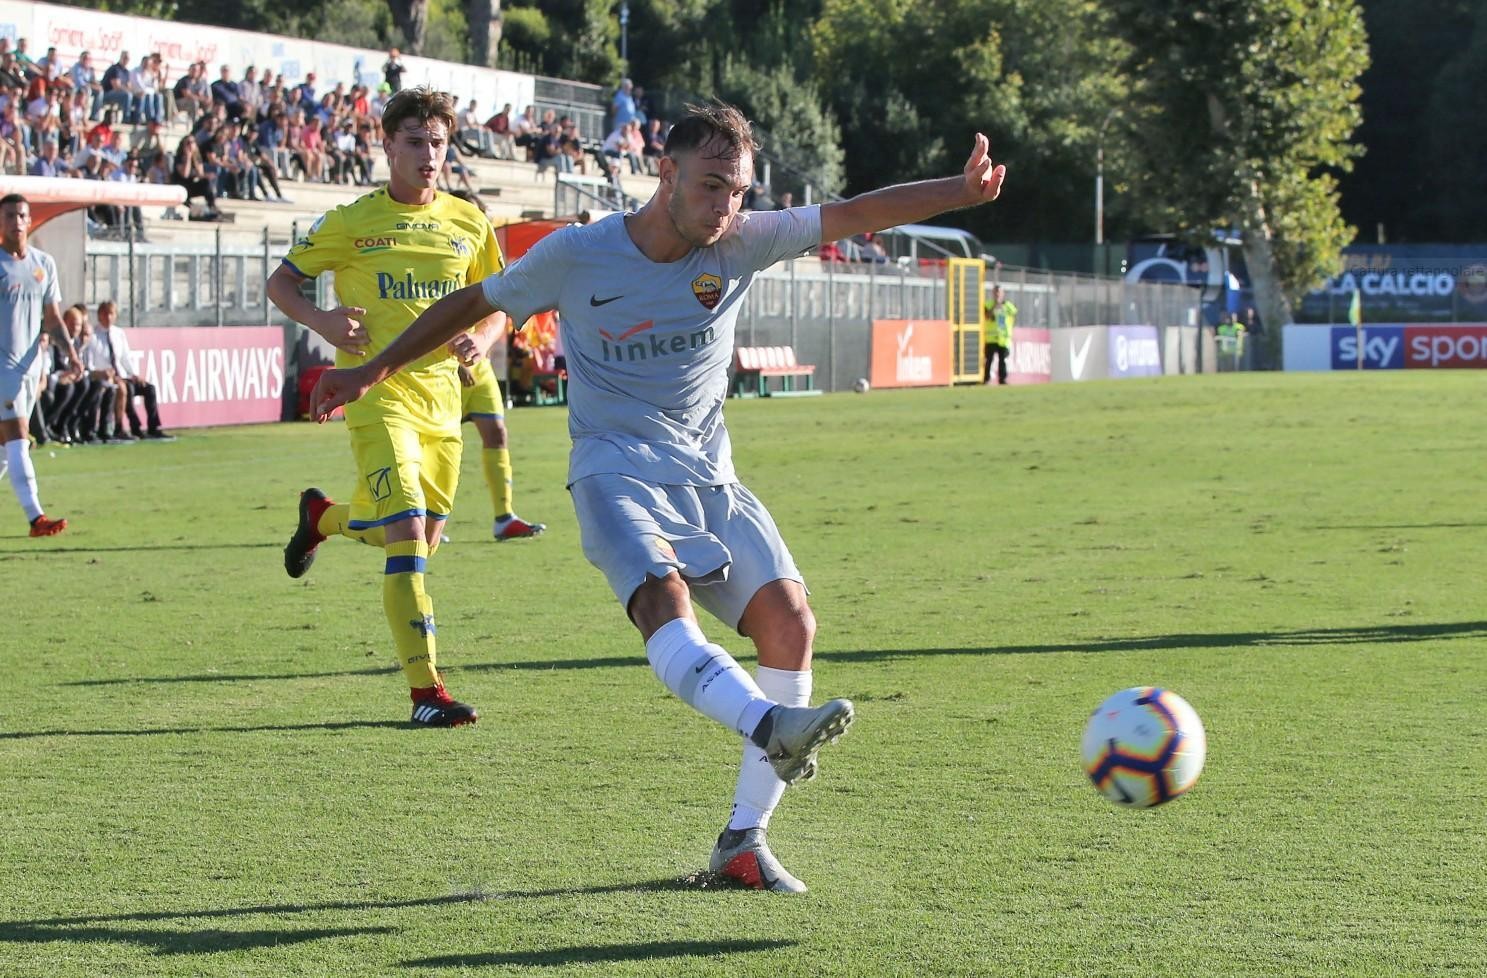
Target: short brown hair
<point>421,103</point>
<point>712,122</point>
<point>108,304</point>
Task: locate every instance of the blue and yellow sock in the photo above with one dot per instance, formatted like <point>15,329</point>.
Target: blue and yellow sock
<point>410,613</point>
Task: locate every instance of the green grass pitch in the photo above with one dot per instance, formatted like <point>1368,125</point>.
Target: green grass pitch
<point>207,770</point>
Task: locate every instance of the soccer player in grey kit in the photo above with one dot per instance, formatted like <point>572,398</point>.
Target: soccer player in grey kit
<point>28,295</point>
<point>648,303</point>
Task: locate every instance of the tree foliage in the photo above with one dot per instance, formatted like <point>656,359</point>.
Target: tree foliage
<point>1242,116</point>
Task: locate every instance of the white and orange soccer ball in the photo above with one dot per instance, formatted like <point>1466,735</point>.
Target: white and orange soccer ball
<point>1144,746</point>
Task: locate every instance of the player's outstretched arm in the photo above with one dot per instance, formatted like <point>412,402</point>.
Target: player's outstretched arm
<point>979,183</point>
<point>436,326</point>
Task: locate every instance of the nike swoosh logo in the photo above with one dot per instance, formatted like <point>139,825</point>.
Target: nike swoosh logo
<point>1078,356</point>
<point>705,664</point>
<point>595,301</point>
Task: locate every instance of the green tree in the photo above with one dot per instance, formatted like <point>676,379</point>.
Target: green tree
<point>1242,116</point>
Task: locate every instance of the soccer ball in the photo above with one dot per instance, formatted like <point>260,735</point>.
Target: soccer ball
<point>861,385</point>
<point>1144,746</point>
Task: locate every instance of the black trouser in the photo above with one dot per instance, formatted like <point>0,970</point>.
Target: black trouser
<point>96,420</point>
<point>999,353</point>
<point>146,390</point>
<point>62,404</point>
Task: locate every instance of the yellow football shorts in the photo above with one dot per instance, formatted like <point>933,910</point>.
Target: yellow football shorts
<point>483,398</point>
<point>402,472</point>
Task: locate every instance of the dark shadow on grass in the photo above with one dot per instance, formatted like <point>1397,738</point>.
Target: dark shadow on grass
<point>267,908</point>
<point>151,548</point>
<point>560,956</point>
<point>1361,635</point>
<point>1397,526</point>
<point>158,731</point>
<point>178,942</point>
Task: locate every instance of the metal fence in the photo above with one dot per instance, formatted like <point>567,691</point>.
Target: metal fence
<point>822,309</point>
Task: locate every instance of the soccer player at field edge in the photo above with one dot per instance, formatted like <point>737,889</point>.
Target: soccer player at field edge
<point>481,402</point>
<point>648,303</point>
<point>395,251</point>
<point>28,295</point>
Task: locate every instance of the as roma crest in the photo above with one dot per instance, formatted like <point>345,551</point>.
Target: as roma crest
<point>708,289</point>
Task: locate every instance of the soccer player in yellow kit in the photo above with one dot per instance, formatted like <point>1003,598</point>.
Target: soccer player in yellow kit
<point>396,251</point>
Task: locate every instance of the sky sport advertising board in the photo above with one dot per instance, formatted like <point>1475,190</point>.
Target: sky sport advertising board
<point>212,376</point>
<point>1387,346</point>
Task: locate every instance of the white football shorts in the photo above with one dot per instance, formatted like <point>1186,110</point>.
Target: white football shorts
<point>17,393</point>
<point>720,539</point>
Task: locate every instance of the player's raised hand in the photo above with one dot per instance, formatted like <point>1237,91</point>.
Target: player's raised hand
<point>983,177</point>
<point>341,327</point>
<point>337,388</point>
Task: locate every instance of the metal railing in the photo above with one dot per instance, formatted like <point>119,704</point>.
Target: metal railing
<point>572,194</point>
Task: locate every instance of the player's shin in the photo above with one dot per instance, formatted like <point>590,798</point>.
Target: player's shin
<point>336,521</point>
<point>410,613</point>
<point>705,676</point>
<point>759,789</point>
<point>23,476</point>
<point>497,465</point>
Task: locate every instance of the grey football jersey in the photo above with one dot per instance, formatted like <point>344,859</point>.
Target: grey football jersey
<point>648,344</point>
<point>27,286</point>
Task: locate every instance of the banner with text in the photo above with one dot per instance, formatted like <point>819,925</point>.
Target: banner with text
<point>911,353</point>
<point>1135,351</point>
<point>212,376</point>
<point>1386,346</point>
<point>1030,360</point>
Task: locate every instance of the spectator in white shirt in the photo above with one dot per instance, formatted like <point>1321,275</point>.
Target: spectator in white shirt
<point>112,345</point>
<point>144,83</point>
<point>474,137</point>
<point>85,79</point>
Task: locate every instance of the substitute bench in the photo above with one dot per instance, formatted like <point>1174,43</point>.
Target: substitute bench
<point>754,365</point>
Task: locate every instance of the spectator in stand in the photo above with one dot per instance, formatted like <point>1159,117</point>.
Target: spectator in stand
<point>24,63</point>
<point>265,141</point>
<point>117,89</point>
<point>306,90</point>
<point>327,113</point>
<point>114,150</point>
<point>48,163</point>
<point>159,169</point>
<point>572,147</point>
<point>105,128</point>
<point>113,341</point>
<point>312,145</point>
<point>44,116</point>
<point>786,201</point>
<point>392,71</point>
<point>75,121</point>
<point>250,94</point>
<point>655,145</point>
<point>643,110</point>
<point>341,151</point>
<point>11,75</point>
<point>524,129</point>
<point>196,92</point>
<point>92,148</point>
<point>380,102</point>
<point>366,157</point>
<point>454,168</point>
<point>239,163</point>
<point>550,146</point>
<point>361,105</point>
<point>474,138</point>
<point>145,85</point>
<point>86,84</point>
<point>618,146</point>
<point>13,155</point>
<point>226,93</point>
<point>147,141</point>
<point>499,127</point>
<point>132,219</point>
<point>623,104</point>
<point>189,172</point>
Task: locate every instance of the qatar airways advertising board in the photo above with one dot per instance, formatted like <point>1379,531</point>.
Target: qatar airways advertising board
<point>1030,361</point>
<point>1387,346</point>
<point>212,376</point>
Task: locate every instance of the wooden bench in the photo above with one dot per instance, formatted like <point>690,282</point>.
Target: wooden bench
<point>754,365</point>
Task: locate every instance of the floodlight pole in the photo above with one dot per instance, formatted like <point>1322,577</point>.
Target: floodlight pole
<point>1100,180</point>
<point>624,32</point>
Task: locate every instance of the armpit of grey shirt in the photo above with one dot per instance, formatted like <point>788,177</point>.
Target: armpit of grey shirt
<point>648,344</point>
<point>27,286</point>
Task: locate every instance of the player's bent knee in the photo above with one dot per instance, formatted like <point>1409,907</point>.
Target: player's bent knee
<point>657,601</point>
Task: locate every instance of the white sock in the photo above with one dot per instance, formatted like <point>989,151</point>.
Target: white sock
<point>759,789</point>
<point>23,476</point>
<point>705,676</point>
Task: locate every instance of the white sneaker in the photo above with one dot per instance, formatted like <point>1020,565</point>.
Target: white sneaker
<point>798,732</point>
<point>743,856</point>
